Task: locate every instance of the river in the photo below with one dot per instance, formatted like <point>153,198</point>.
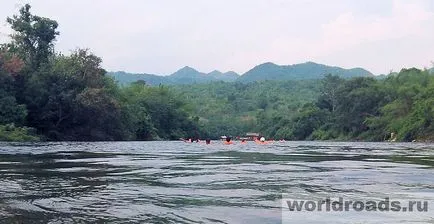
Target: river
<point>176,182</point>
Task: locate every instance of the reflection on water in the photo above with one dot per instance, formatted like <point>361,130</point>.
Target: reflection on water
<point>176,182</point>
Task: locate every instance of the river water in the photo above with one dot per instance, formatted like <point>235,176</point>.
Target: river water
<point>176,182</point>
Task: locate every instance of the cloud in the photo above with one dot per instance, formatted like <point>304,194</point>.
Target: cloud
<point>378,41</point>
<point>162,36</point>
<point>407,18</point>
<point>408,24</point>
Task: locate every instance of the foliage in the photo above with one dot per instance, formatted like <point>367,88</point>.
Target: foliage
<point>34,36</point>
<point>236,108</point>
<point>71,98</point>
<point>410,110</point>
<point>17,134</point>
<point>156,112</point>
<point>367,109</point>
<point>10,110</point>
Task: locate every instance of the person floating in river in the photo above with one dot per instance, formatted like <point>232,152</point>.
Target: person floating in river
<point>228,141</point>
<point>257,139</point>
<point>189,140</point>
<point>260,140</point>
<point>208,141</point>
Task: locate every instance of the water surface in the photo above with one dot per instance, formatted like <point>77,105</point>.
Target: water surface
<point>176,182</point>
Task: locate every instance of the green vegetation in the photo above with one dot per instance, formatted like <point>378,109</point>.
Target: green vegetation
<point>185,75</point>
<point>50,96</point>
<point>17,134</point>
<point>236,108</point>
<point>368,109</point>
<point>71,98</point>
<point>333,108</point>
<point>303,71</point>
<point>156,113</point>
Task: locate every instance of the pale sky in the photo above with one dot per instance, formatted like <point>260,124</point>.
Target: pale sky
<point>161,36</point>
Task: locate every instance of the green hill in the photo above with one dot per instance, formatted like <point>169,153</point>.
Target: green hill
<point>186,75</point>
<point>266,71</point>
<point>226,77</point>
<point>308,70</point>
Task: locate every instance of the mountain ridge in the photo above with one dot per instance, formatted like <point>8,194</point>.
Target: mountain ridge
<point>307,70</point>
<point>261,72</point>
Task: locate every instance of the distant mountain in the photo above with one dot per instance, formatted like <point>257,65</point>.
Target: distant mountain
<point>266,71</point>
<point>227,76</point>
<point>308,70</point>
<point>186,75</point>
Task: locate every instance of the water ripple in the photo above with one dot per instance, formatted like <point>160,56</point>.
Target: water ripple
<point>175,182</point>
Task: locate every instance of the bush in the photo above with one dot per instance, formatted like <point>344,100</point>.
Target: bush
<point>11,133</point>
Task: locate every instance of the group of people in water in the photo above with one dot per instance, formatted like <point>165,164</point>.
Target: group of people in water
<point>228,141</point>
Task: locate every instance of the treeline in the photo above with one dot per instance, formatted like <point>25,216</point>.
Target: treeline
<point>400,107</point>
<point>52,96</point>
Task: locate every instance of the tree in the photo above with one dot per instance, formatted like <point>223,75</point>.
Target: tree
<point>10,110</point>
<point>33,38</point>
<point>329,92</point>
<point>155,112</point>
<point>71,98</point>
<point>98,116</point>
<point>409,111</point>
<point>307,121</point>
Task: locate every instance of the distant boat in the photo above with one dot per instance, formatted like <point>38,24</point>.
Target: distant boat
<point>252,136</point>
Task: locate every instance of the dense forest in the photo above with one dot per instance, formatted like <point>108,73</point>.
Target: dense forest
<point>236,108</point>
<point>46,95</point>
<point>50,96</point>
<point>334,108</point>
<point>365,109</point>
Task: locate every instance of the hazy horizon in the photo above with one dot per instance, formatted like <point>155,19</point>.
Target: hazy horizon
<point>218,70</point>
<point>160,37</point>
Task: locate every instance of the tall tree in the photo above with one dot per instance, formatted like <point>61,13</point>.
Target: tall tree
<point>329,92</point>
<point>33,38</point>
